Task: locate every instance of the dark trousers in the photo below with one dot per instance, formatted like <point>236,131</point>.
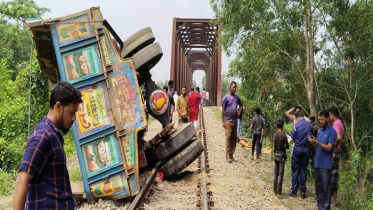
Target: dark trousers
<point>323,179</point>
<point>279,173</point>
<point>299,163</point>
<point>185,120</point>
<point>256,141</point>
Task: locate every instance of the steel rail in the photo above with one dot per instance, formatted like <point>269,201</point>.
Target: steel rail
<point>140,197</point>
<point>204,183</point>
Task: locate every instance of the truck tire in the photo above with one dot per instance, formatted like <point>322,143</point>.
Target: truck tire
<point>147,57</point>
<point>136,42</point>
<point>174,143</point>
<point>181,160</point>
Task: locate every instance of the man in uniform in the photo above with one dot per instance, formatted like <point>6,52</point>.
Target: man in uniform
<point>301,154</point>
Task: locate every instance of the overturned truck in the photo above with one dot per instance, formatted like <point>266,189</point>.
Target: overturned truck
<point>84,50</point>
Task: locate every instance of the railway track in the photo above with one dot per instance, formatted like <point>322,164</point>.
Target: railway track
<point>204,200</point>
<point>231,183</point>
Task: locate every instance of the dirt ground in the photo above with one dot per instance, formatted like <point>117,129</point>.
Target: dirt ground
<point>243,184</point>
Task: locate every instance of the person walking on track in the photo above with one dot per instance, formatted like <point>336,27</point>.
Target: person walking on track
<point>257,126</point>
<point>193,101</point>
<point>229,119</point>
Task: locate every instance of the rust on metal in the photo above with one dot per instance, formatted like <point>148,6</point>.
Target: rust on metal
<point>198,192</point>
<point>211,203</point>
<point>168,130</point>
<point>199,203</point>
<point>199,184</point>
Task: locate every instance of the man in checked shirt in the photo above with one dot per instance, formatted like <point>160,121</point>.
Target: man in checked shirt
<point>43,175</point>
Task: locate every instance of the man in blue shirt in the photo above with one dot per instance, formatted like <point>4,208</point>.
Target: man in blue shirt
<point>323,160</point>
<point>301,154</point>
<point>43,180</point>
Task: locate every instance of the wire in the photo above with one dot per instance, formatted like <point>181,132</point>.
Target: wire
<point>29,93</point>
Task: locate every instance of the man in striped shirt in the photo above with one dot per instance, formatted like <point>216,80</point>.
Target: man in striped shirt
<point>43,175</point>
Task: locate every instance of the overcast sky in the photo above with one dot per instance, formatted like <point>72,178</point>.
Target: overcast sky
<point>126,17</point>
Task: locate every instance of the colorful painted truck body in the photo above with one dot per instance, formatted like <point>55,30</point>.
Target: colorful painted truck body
<point>79,49</point>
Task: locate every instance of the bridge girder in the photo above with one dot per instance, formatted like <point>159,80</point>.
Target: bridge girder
<point>195,47</point>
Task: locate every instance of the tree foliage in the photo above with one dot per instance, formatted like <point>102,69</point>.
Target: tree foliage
<point>15,48</point>
<point>313,53</point>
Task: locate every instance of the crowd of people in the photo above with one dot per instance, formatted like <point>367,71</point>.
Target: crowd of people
<point>321,147</point>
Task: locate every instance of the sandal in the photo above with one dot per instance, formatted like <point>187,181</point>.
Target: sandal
<point>280,196</point>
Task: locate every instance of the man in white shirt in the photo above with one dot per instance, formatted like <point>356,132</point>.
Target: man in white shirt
<point>175,98</point>
<point>207,97</point>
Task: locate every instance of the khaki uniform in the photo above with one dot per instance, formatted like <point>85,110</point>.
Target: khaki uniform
<point>182,105</point>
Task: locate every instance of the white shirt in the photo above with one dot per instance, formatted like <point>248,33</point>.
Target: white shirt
<point>207,95</point>
<point>175,98</point>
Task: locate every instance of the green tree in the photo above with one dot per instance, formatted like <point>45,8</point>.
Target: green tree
<point>274,42</point>
<point>16,40</point>
<point>162,84</point>
<point>20,10</point>
<point>225,83</point>
<point>313,53</point>
<point>15,44</point>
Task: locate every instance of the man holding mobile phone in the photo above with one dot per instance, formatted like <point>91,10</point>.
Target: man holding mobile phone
<point>324,144</point>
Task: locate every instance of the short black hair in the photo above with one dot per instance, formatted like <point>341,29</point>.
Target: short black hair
<point>324,113</point>
<point>170,82</point>
<point>197,89</point>
<point>257,110</point>
<point>297,107</point>
<point>165,88</point>
<point>280,123</point>
<point>204,89</point>
<point>312,118</point>
<point>299,114</point>
<point>334,110</point>
<point>233,82</point>
<point>183,87</point>
<point>65,93</point>
<point>192,88</point>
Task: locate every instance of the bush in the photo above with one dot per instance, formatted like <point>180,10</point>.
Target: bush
<point>11,154</point>
<point>355,188</point>
<point>7,182</point>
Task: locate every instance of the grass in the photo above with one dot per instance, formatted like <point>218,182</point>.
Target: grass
<point>7,181</point>
<point>217,113</point>
<point>75,174</point>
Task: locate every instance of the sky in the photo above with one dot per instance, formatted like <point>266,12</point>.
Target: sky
<point>127,17</point>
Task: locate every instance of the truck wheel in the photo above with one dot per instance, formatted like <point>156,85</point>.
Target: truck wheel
<point>147,57</point>
<point>181,160</point>
<point>136,41</point>
<point>174,143</point>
